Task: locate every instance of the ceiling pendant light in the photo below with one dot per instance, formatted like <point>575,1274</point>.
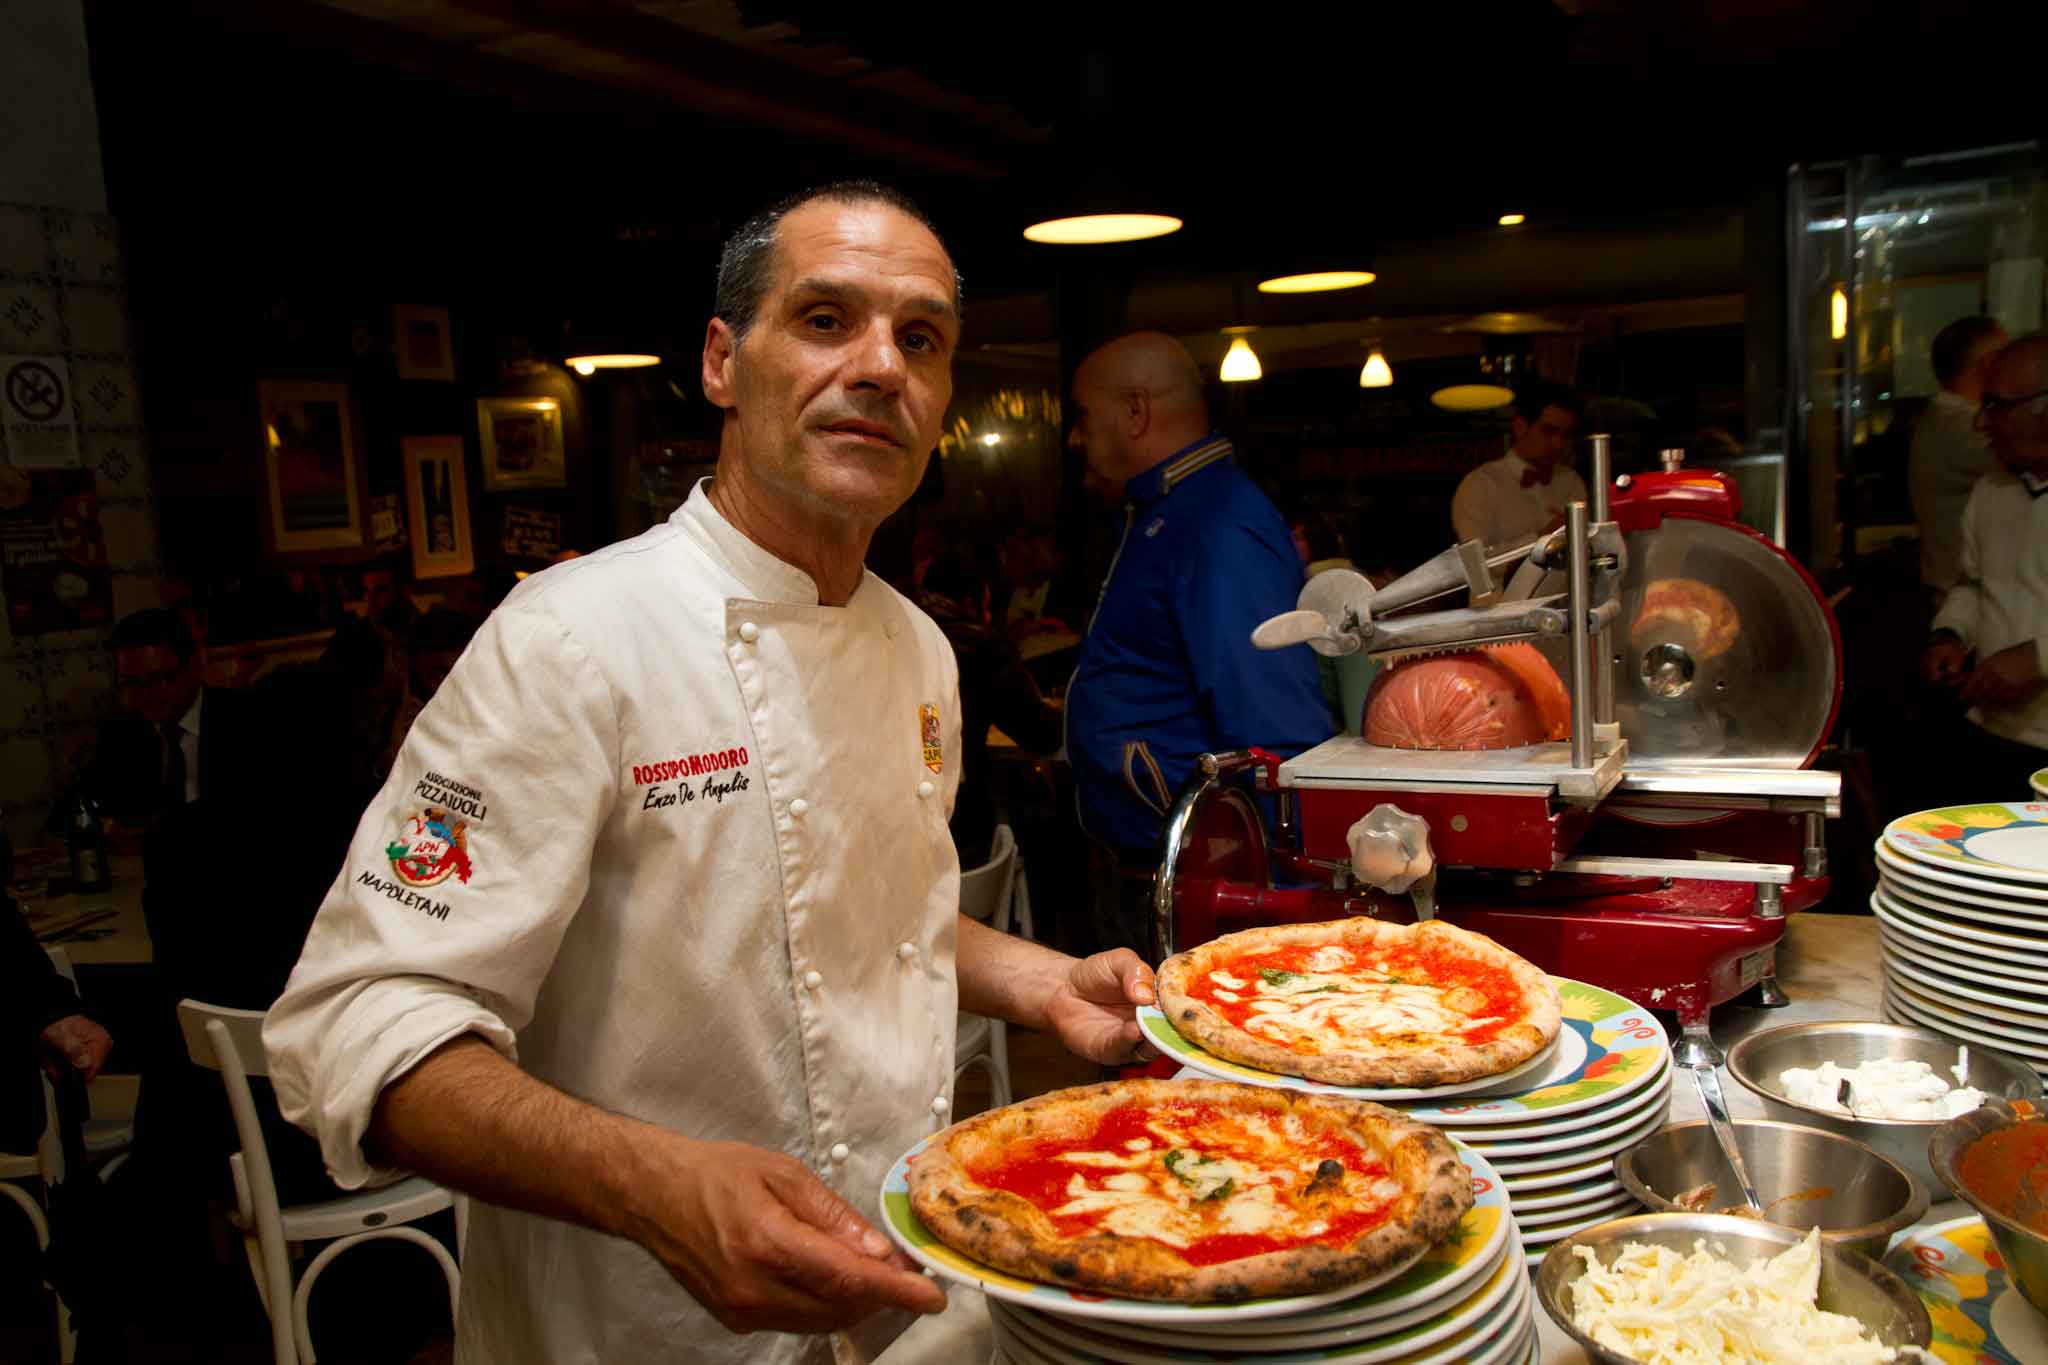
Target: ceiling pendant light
<point>1513,219</point>
<point>1316,282</point>
<point>1377,374</point>
<point>1089,229</point>
<point>1838,315</point>
<point>1240,362</point>
<point>588,365</point>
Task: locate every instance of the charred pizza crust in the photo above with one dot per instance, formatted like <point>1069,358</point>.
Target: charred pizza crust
<point>1005,1231</point>
<point>1407,1060</point>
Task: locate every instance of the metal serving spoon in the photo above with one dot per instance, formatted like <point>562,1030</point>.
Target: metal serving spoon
<point>1724,1132</point>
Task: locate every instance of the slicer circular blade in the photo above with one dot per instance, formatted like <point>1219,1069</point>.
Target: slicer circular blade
<point>1695,689</point>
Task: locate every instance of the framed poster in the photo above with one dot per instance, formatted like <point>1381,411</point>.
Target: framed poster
<point>419,338</point>
<point>530,533</point>
<point>437,507</point>
<point>309,464</point>
<point>53,556</point>
<point>522,443</point>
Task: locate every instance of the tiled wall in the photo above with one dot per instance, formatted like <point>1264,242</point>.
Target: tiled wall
<point>62,293</point>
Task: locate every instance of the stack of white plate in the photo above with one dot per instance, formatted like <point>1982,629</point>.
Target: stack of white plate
<point>1962,909</point>
<point>1465,1300</point>
<point>1550,1128</point>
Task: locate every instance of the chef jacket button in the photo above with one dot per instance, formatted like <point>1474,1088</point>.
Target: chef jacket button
<point>840,1151</point>
<point>925,790</point>
<point>905,951</point>
<point>813,980</point>
<point>749,631</point>
<point>940,1104</point>
<point>799,808</point>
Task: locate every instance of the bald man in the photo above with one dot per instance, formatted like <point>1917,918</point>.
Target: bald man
<point>1168,671</point>
<point>1997,612</point>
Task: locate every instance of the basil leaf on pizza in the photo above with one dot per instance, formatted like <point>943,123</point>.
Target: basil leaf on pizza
<point>1358,1002</point>
<point>1190,1191</point>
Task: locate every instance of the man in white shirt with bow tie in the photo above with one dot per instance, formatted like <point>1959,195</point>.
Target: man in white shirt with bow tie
<point>1512,500</point>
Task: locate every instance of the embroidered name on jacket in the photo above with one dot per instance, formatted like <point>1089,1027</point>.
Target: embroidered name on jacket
<point>720,771</point>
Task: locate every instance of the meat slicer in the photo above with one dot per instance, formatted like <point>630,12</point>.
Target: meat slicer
<point>1656,852</point>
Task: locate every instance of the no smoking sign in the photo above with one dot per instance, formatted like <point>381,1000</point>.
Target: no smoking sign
<point>35,412</point>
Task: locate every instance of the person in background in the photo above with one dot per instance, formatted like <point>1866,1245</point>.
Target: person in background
<point>1950,451</point>
<point>651,942</point>
<point>1510,501</point>
<point>1168,671</point>
<point>1990,638</point>
<point>437,641</point>
<point>41,1027</point>
<point>995,689</point>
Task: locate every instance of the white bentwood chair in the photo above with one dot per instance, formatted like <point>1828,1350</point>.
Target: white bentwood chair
<point>230,1041</point>
<point>996,894</point>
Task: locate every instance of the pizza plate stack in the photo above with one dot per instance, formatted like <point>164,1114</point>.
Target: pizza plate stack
<point>1550,1128</point>
<point>1465,1300</point>
<point>1962,911</point>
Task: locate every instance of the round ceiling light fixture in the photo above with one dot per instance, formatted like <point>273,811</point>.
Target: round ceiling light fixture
<point>1317,282</point>
<point>587,365</point>
<point>1472,397</point>
<point>1513,219</point>
<point>1090,229</point>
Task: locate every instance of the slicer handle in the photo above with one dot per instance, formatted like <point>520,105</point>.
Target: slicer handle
<point>1292,628</point>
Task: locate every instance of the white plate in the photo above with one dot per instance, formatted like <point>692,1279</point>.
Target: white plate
<point>1590,1173</point>
<point>1160,1032</point>
<point>1145,1346</point>
<point>2014,1009</point>
<point>1949,960</point>
<point>1911,1011</point>
<point>1619,1122</point>
<point>2030,1044</point>
<point>1952,881</point>
<point>1557,1232</point>
<point>1555,1125</point>
<point>2001,841</point>
<point>917,1242</point>
<point>1541,1201</point>
<point>1613,1206</point>
<point>1891,915</point>
<point>2029,920</point>
<point>2033,950</point>
<point>1511,1169</point>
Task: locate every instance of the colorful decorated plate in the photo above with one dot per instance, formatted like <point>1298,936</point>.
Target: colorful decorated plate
<point>1925,877</point>
<point>1513,1168</point>
<point>1536,1238</point>
<point>2019,917</point>
<point>1951,960</point>
<point>1535,1202</point>
<point>1979,1317</point>
<point>1168,1039</point>
<point>2021,948</point>
<point>1538,1221</point>
<point>1620,1119</point>
<point>1479,1227</point>
<point>2016,1009</point>
<point>1486,1136</point>
<point>1591,1173</point>
<point>2006,841</point>
<point>1368,1346</point>
<point>1625,1050</point>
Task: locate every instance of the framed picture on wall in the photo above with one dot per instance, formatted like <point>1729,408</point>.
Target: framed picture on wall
<point>522,443</point>
<point>309,466</point>
<point>437,507</point>
<point>419,338</point>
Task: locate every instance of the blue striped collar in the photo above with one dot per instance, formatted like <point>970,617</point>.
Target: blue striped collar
<point>1161,478</point>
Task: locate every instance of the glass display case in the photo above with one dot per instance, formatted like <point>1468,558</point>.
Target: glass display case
<point>1883,252</point>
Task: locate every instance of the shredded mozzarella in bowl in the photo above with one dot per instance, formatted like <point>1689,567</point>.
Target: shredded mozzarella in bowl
<point>1662,1308</point>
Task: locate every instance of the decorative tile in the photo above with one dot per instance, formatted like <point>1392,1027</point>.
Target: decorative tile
<point>69,746</point>
<point>119,466</point>
<point>130,531</point>
<point>22,250</point>
<point>21,695</point>
<point>135,590</point>
<point>98,318</point>
<point>79,687</point>
<point>92,252</point>
<point>106,393</point>
<point>28,317</point>
<point>25,775</point>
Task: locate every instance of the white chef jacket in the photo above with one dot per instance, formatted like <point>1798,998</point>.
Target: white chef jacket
<point>766,959</point>
<point>2001,594</point>
<point>1948,456</point>
<point>1491,505</point>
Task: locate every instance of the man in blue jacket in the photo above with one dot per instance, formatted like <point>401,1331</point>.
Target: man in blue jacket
<point>1168,671</point>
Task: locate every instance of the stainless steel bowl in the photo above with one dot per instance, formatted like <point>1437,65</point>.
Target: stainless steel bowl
<point>2025,1250</point>
<point>1850,1284</point>
<point>1756,1061</point>
<point>1807,1178</point>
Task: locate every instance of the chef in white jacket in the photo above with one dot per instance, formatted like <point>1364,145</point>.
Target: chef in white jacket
<point>651,939</point>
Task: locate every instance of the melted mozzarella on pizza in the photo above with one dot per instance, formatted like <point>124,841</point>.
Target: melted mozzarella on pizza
<point>1337,998</point>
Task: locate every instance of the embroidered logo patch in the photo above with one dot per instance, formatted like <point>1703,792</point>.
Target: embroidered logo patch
<point>934,746</point>
<point>429,849</point>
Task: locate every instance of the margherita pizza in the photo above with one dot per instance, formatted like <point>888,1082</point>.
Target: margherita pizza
<point>1190,1191</point>
<point>1359,1002</point>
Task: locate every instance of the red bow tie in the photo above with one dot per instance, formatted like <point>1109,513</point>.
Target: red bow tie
<point>1533,476</point>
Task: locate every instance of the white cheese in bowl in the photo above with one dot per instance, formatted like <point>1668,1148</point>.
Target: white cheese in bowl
<point>1882,1088</point>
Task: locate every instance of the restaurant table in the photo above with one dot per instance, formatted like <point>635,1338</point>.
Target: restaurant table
<point>94,928</point>
<point>1828,964</point>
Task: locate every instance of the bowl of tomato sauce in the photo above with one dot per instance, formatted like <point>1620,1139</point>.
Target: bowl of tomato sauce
<point>1995,1158</point>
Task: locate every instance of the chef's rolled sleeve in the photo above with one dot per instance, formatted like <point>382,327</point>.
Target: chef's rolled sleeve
<point>460,883</point>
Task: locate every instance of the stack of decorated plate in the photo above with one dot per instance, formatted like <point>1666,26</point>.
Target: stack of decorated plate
<point>1962,909</point>
<point>1550,1128</point>
<point>1978,1314</point>
<point>1466,1300</point>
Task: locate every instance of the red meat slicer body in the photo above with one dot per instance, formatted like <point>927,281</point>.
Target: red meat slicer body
<point>1656,855</point>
